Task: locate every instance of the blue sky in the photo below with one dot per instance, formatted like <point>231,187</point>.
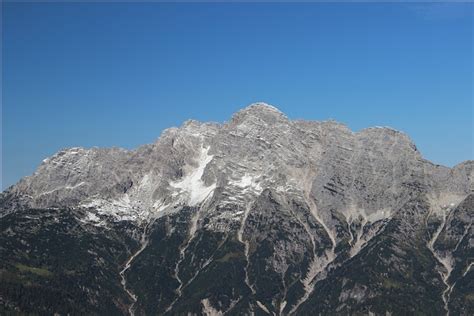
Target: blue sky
<point>117,74</point>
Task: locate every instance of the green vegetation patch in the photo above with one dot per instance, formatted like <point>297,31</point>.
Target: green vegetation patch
<point>470,297</point>
<point>38,271</point>
<point>391,284</point>
<point>229,256</point>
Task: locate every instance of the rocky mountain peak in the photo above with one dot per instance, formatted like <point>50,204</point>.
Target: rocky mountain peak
<point>261,107</point>
<point>260,146</point>
<point>296,218</point>
<point>259,112</point>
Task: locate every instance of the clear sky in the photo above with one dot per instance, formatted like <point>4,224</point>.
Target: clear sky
<point>117,74</point>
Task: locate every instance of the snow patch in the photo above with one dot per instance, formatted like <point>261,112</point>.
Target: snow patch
<point>468,269</point>
<point>208,309</point>
<point>192,184</point>
<point>120,209</point>
<point>263,307</point>
<point>247,182</point>
<point>67,187</point>
<point>92,217</point>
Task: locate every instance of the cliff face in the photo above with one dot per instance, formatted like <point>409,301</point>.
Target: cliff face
<point>257,215</point>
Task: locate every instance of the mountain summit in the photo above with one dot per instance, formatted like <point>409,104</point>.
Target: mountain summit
<point>258,215</point>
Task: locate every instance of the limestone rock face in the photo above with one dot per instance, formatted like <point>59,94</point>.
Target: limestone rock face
<point>258,215</point>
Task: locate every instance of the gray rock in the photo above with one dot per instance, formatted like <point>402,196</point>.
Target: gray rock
<point>303,199</point>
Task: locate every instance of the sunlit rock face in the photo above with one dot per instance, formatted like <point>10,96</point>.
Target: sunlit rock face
<point>258,215</point>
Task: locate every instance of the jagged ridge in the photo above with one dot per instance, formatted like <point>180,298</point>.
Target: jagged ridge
<point>300,200</point>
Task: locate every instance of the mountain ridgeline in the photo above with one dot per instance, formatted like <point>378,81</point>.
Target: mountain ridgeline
<point>260,215</point>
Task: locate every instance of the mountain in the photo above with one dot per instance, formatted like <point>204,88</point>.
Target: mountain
<point>258,215</point>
